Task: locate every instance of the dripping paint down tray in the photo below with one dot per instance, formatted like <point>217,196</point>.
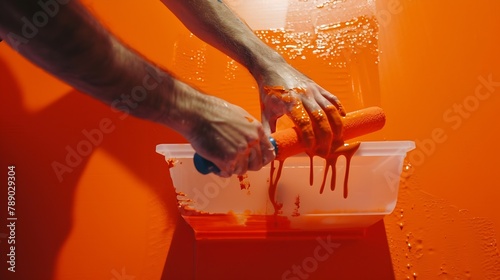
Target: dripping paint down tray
<point>240,206</point>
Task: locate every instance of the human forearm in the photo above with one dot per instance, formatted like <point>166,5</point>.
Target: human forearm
<point>73,46</point>
<point>213,22</point>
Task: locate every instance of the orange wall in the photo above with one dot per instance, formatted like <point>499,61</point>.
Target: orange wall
<point>436,57</point>
<point>115,215</point>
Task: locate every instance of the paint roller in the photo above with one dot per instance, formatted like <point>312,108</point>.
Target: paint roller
<point>287,142</point>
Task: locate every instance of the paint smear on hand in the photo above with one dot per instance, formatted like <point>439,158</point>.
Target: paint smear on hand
<point>297,112</point>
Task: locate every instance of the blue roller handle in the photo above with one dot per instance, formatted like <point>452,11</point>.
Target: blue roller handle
<point>204,166</point>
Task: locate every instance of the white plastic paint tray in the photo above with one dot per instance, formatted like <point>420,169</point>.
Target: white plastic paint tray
<point>238,207</point>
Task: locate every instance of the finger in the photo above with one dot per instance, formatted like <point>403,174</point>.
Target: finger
<point>267,151</point>
<point>323,132</point>
<point>269,123</point>
<point>334,116</point>
<point>335,101</point>
<point>253,154</point>
<point>336,125</point>
<point>272,108</point>
<point>255,158</point>
<point>299,116</point>
<point>227,166</point>
<point>242,165</point>
<point>294,109</point>
<point>266,125</point>
<point>224,174</point>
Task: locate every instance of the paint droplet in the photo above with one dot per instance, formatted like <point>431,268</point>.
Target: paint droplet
<point>170,162</point>
<point>244,182</point>
<point>407,170</point>
<point>296,212</point>
<point>401,226</point>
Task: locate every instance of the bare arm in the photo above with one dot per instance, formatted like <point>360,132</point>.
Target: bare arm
<point>213,22</point>
<point>73,46</point>
<point>316,111</point>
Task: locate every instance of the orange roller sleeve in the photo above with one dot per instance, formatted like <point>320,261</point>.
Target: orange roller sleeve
<point>356,123</point>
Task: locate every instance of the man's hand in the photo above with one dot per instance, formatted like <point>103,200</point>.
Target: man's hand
<point>315,111</point>
<point>219,131</point>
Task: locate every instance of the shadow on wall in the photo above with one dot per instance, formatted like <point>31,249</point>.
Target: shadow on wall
<point>316,258</point>
<point>46,204</point>
<point>34,141</point>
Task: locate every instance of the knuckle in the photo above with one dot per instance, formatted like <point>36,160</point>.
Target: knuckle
<point>240,147</point>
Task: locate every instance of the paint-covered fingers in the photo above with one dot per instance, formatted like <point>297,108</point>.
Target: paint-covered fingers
<point>324,119</point>
<point>273,105</point>
<point>302,120</point>
<point>279,101</point>
<point>333,111</point>
<point>319,120</point>
<point>336,125</point>
<point>325,99</point>
<point>313,110</point>
<point>322,132</point>
<point>334,101</point>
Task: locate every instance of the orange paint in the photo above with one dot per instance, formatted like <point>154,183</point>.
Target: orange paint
<point>354,124</point>
<point>236,225</point>
<point>170,162</point>
<point>244,182</point>
<point>348,151</point>
<point>303,124</point>
<point>321,120</point>
<point>273,185</point>
<point>297,112</point>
